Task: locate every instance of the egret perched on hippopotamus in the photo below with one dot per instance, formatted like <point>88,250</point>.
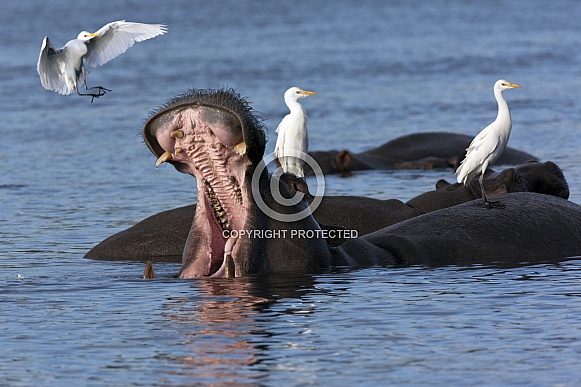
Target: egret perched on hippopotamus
<point>60,69</point>
<point>231,236</point>
<point>292,141</point>
<point>490,143</point>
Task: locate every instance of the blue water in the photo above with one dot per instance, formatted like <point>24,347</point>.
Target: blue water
<point>75,173</point>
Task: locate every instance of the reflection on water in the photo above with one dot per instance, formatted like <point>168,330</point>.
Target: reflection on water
<point>223,326</point>
<point>216,326</point>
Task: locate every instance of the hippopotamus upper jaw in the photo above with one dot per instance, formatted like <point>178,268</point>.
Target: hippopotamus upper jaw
<point>209,142</point>
<point>240,114</point>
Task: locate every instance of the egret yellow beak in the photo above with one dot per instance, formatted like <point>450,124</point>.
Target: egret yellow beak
<point>94,35</point>
<point>516,86</point>
<point>306,92</point>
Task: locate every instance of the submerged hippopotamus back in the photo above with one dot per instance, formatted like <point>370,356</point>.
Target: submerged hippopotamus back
<point>413,151</point>
<point>163,236</point>
<point>247,221</point>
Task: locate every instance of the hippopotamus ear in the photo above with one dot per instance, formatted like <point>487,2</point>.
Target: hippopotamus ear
<point>454,162</point>
<point>341,162</point>
<point>441,184</point>
<point>296,184</point>
<point>334,239</point>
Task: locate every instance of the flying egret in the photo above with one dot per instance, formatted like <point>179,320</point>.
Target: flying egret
<point>60,69</point>
<point>489,144</point>
<point>293,141</point>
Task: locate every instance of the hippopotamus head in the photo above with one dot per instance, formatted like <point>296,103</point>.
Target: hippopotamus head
<point>544,178</point>
<point>227,119</point>
<point>533,176</point>
<point>215,136</point>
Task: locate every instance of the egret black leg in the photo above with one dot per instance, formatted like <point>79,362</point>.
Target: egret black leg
<point>102,91</point>
<point>487,202</point>
<point>482,191</point>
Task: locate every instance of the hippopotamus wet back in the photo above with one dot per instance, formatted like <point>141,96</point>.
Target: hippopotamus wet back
<point>214,136</point>
<point>162,236</point>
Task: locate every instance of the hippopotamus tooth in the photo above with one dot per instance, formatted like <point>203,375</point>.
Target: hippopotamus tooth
<point>177,134</point>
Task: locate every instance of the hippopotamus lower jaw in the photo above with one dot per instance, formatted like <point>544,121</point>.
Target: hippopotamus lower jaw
<point>212,248</point>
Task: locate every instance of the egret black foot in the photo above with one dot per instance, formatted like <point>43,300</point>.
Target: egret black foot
<point>102,91</point>
<point>490,205</point>
<point>93,96</point>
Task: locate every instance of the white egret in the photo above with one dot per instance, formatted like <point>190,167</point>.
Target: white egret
<point>490,143</point>
<point>293,139</point>
<point>61,69</point>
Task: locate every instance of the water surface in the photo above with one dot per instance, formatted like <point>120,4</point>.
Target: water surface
<point>75,173</point>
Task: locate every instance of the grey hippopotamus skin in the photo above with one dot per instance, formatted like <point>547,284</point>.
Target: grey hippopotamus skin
<point>414,151</point>
<point>529,228</point>
<point>162,236</point>
<point>214,136</point>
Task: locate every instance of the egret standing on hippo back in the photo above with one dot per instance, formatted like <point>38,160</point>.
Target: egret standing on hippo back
<point>489,144</point>
<point>293,140</point>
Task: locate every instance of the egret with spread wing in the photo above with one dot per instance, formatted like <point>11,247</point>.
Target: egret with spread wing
<point>489,144</point>
<point>60,69</point>
<point>293,141</point>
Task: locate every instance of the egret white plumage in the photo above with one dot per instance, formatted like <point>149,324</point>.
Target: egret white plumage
<point>490,143</point>
<point>293,140</point>
<point>60,69</point>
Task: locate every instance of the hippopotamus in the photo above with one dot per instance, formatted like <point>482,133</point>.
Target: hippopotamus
<point>249,221</point>
<point>413,151</point>
<point>163,236</point>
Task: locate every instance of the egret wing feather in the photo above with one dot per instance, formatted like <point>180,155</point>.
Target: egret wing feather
<point>116,38</point>
<point>283,123</point>
<point>51,68</point>
<point>479,152</point>
<point>278,149</point>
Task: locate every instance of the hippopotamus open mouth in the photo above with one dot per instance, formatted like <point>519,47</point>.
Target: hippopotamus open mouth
<point>213,136</point>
